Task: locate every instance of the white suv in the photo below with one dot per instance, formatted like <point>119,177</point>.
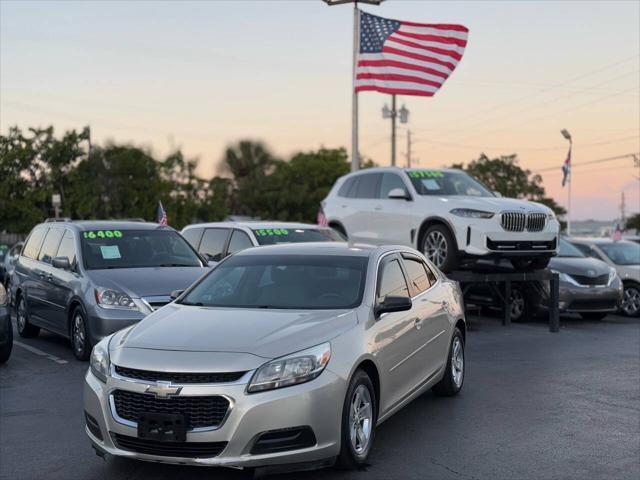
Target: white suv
<point>445,214</point>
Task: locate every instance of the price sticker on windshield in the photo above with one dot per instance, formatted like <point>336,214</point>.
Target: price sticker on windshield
<point>103,234</point>
<point>269,232</point>
<point>426,174</point>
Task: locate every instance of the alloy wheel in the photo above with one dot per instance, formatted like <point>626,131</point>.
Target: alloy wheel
<point>361,416</point>
<point>435,248</point>
<point>21,315</point>
<point>517,304</point>
<point>457,362</point>
<point>631,301</point>
<point>78,332</point>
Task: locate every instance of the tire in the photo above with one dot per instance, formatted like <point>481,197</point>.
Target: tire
<point>522,308</point>
<point>439,246</point>
<point>531,263</point>
<point>453,378</point>
<point>593,315</point>
<point>5,350</point>
<point>25,328</point>
<point>79,335</point>
<point>631,300</point>
<point>354,452</point>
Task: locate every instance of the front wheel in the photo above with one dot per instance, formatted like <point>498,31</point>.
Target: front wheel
<point>80,342</point>
<point>453,378</point>
<point>358,422</point>
<point>631,300</point>
<point>439,246</point>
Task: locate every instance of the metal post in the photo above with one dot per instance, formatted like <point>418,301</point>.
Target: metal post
<point>408,148</point>
<point>554,299</point>
<point>355,157</point>
<point>393,130</point>
<point>569,203</point>
<point>506,319</point>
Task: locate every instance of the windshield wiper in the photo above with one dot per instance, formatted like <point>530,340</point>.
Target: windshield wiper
<point>176,265</point>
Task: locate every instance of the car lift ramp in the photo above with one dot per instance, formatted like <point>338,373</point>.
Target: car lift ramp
<point>500,282</point>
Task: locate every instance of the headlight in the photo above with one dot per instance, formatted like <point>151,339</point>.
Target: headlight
<point>108,298</point>
<point>471,213</point>
<point>612,276</point>
<point>551,216</point>
<point>299,367</point>
<point>99,362</point>
<point>3,296</point>
<point>563,277</point>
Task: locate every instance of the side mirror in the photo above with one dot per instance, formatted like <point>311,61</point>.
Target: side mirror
<point>393,304</point>
<point>398,194</point>
<point>497,194</point>
<point>175,294</point>
<point>61,263</point>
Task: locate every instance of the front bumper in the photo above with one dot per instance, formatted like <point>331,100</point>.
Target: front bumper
<point>317,404</point>
<point>104,321</point>
<point>573,299</point>
<point>487,238</point>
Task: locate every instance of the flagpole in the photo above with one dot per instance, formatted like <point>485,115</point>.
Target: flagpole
<point>355,157</point>
<point>569,193</point>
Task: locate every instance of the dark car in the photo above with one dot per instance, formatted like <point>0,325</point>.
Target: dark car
<point>6,330</point>
<point>85,280</point>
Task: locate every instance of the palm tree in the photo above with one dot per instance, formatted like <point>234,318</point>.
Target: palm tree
<point>247,160</point>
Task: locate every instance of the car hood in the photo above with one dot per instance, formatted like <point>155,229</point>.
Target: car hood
<point>261,332</point>
<point>146,282</point>
<point>579,266</point>
<point>493,204</point>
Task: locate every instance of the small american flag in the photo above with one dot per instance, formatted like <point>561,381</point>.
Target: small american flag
<point>321,218</point>
<point>161,215</point>
<point>566,168</point>
<point>407,58</point>
<point>617,233</point>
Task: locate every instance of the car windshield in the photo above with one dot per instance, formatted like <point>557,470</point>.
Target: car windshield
<point>568,250</point>
<point>622,253</point>
<point>300,282</point>
<point>438,182</point>
<point>113,248</point>
<point>271,236</point>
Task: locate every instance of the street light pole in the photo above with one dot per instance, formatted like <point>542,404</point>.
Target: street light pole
<point>393,130</point>
<point>567,135</point>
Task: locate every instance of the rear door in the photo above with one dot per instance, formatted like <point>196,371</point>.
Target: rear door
<point>392,219</point>
<point>26,268</point>
<point>44,305</point>
<point>360,223</point>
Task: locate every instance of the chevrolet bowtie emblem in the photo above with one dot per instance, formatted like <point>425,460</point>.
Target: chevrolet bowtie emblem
<point>163,389</point>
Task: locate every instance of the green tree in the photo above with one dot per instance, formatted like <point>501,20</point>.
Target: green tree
<point>633,222</point>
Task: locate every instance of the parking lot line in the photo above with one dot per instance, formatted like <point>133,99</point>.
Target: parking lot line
<point>40,352</point>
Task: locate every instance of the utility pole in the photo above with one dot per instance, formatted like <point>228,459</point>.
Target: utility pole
<point>392,113</point>
<point>623,213</point>
<point>408,148</point>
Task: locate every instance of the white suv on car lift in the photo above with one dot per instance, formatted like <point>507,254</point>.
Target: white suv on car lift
<point>445,214</point>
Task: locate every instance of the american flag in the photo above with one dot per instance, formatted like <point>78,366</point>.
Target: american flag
<point>566,167</point>
<point>321,218</point>
<point>617,233</point>
<point>407,58</point>
<point>161,215</point>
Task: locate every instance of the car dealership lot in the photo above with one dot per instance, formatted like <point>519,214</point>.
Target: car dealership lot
<point>535,405</point>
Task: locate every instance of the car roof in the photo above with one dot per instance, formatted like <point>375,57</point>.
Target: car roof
<point>595,240</point>
<point>400,169</point>
<point>85,225</point>
<point>323,248</point>
<point>255,225</point>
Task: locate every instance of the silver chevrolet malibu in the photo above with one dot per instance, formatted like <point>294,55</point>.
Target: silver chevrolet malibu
<point>280,355</point>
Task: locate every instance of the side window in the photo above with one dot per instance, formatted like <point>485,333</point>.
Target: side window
<point>34,242</point>
<point>389,182</point>
<point>392,281</point>
<point>213,242</point>
<point>368,185</point>
<point>193,236</point>
<point>67,248</point>
<point>50,245</point>
<point>239,241</point>
<point>353,189</point>
<point>418,275</point>
<point>346,186</point>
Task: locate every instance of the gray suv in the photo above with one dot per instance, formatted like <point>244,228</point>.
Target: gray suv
<point>85,280</point>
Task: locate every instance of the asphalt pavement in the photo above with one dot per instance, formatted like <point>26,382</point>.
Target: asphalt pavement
<point>535,405</point>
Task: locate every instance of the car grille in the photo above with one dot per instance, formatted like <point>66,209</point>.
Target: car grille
<point>536,222</point>
<point>179,377</point>
<point>518,221</point>
<point>586,305</point>
<point>169,449</point>
<point>199,411</point>
<point>584,280</point>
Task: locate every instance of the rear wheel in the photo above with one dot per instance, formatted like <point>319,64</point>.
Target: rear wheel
<point>453,378</point>
<point>520,304</point>
<point>631,300</point>
<point>439,246</point>
<point>25,329</point>
<point>80,341</point>
<point>593,315</point>
<point>358,422</point>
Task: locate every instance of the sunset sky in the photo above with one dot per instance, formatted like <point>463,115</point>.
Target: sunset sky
<point>200,75</point>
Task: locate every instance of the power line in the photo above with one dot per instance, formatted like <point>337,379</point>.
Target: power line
<point>590,162</point>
